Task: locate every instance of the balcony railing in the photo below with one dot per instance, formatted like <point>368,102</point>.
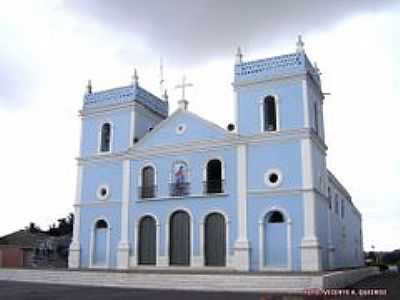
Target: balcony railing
<point>179,188</point>
<point>213,186</point>
<point>147,191</point>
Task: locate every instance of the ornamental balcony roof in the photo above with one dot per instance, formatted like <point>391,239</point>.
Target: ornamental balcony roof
<point>272,67</point>
<point>126,94</point>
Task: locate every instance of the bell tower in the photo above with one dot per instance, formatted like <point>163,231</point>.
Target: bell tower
<point>277,93</point>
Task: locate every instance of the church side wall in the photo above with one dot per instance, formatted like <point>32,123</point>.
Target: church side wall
<point>322,230</point>
<point>286,198</point>
<point>346,231</point>
<point>321,203</point>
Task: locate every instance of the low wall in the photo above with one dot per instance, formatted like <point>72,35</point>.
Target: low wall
<point>340,279</point>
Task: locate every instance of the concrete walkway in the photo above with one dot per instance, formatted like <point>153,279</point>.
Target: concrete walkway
<point>294,283</point>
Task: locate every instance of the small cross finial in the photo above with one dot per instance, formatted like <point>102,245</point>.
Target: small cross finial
<point>239,56</point>
<point>183,86</point>
<point>135,78</point>
<point>299,44</point>
<point>89,87</point>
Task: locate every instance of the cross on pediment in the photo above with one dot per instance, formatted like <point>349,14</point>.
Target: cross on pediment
<point>183,86</point>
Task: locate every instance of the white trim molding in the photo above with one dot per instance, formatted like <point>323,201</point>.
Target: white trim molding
<point>261,241</point>
<point>270,172</point>
<point>74,256</point>
<point>99,192</point>
<point>92,244</point>
<point>310,247</point>
<point>306,106</point>
<point>124,246</point>
<point>180,128</point>
<point>242,244</point>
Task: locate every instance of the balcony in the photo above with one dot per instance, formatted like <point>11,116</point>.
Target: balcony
<point>213,186</point>
<point>147,191</point>
<point>179,189</point>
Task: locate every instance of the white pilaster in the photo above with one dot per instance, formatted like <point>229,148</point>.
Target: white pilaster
<point>306,107</point>
<point>242,245</point>
<point>310,247</point>
<point>75,247</point>
<point>123,246</point>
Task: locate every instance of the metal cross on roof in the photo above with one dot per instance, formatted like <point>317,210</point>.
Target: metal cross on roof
<point>183,86</point>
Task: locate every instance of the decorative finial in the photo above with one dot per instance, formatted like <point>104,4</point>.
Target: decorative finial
<point>317,70</point>
<point>135,78</point>
<point>299,44</point>
<point>239,56</point>
<point>165,95</point>
<point>89,87</point>
<point>161,77</point>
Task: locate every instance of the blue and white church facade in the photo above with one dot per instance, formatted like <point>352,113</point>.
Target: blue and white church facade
<point>175,190</point>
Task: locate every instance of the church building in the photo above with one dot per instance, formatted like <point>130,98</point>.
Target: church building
<point>165,190</point>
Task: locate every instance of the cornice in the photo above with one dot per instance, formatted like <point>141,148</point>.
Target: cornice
<point>94,111</point>
<point>276,78</point>
<point>228,142</point>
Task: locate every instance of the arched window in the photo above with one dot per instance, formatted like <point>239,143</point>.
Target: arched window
<point>148,187</point>
<point>316,121</point>
<point>214,181</point>
<point>100,224</point>
<point>269,113</point>
<point>105,139</point>
<point>276,217</point>
<point>330,198</point>
<point>180,184</point>
<point>336,204</point>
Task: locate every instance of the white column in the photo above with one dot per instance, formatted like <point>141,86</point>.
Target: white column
<point>199,260</point>
<point>306,106</point>
<point>123,246</point>
<point>75,247</point>
<point>242,245</point>
<point>310,248</point>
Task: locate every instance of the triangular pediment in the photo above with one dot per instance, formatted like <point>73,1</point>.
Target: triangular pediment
<point>180,128</point>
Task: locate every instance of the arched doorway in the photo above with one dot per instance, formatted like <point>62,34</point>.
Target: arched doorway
<point>147,241</point>
<point>215,240</point>
<point>179,239</point>
<point>275,240</point>
<point>100,243</point>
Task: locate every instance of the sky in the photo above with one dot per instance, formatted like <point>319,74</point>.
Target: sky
<point>49,49</point>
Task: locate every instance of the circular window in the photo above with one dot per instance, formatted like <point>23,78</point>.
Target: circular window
<point>103,192</point>
<point>273,178</point>
<point>180,128</point>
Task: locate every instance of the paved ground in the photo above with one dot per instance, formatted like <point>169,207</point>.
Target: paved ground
<point>35,291</point>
